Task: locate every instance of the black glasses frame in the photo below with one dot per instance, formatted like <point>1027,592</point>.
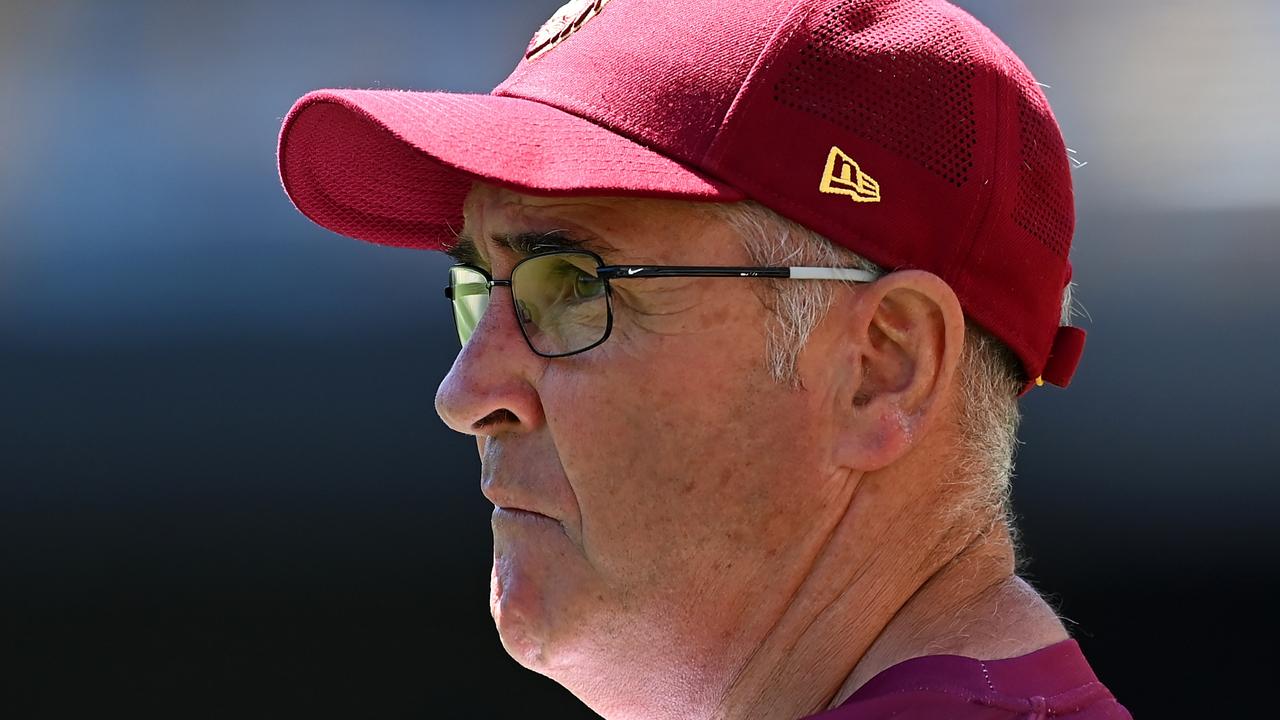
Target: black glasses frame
<point>608,273</point>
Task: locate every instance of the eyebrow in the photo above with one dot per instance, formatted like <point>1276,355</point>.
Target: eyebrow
<point>464,250</point>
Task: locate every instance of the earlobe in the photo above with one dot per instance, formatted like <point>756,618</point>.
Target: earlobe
<point>906,332</point>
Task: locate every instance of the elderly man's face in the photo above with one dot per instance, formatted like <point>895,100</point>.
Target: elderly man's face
<point>655,496</point>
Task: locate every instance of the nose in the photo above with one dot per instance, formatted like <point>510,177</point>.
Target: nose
<point>490,388</point>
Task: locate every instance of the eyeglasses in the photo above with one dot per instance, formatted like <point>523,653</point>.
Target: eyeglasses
<point>563,299</point>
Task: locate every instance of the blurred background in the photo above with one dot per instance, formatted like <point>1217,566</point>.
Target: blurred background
<point>224,491</point>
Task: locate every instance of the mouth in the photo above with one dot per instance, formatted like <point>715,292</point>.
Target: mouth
<point>501,513</point>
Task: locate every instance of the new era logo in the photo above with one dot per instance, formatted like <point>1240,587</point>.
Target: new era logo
<point>843,177</point>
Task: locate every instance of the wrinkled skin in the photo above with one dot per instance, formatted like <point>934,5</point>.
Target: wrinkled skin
<point>676,534</point>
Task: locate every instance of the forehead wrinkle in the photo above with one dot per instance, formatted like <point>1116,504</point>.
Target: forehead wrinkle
<point>527,228</point>
<point>465,249</point>
<point>663,224</point>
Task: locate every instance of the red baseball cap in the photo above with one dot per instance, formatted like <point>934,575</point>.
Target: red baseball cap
<point>904,130</point>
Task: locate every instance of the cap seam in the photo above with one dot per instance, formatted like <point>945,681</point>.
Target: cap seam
<point>987,205</point>
<point>772,47</point>
<point>698,169</point>
<point>983,206</point>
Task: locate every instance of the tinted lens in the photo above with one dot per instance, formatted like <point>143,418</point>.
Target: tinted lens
<point>562,305</point>
<point>470,298</point>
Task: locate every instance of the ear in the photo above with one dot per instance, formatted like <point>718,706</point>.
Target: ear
<point>902,343</point>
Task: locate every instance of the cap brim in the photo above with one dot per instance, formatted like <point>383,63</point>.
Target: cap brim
<point>393,167</point>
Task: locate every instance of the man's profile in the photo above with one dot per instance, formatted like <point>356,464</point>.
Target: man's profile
<point>747,293</point>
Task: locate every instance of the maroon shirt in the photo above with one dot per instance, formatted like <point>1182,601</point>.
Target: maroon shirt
<point>1052,682</point>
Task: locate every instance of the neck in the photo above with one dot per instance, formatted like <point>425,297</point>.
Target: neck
<point>974,606</point>
<point>859,613</point>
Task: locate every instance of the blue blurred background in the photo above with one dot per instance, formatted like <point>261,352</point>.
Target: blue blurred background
<point>224,490</point>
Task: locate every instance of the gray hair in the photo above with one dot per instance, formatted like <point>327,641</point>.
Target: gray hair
<point>990,375</point>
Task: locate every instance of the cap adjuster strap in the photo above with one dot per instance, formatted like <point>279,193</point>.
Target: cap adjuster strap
<point>1064,356</point>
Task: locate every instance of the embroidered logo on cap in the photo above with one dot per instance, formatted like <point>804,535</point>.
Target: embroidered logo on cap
<point>842,176</point>
<point>564,22</point>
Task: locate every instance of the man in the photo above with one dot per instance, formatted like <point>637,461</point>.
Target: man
<point>767,278</point>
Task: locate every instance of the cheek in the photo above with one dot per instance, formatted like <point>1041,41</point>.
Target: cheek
<point>678,458</point>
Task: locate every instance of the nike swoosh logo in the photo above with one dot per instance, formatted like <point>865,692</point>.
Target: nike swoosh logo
<point>633,271</point>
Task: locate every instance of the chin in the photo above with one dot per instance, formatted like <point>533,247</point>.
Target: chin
<point>540,592</point>
<point>525,648</point>
<point>521,614</point>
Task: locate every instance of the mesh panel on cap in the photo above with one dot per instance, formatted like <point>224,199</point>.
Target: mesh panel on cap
<point>896,74</point>
<point>1044,205</point>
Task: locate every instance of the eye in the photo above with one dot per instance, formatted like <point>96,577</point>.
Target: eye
<point>586,287</point>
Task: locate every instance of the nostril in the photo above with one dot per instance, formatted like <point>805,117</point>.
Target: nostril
<point>497,417</point>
